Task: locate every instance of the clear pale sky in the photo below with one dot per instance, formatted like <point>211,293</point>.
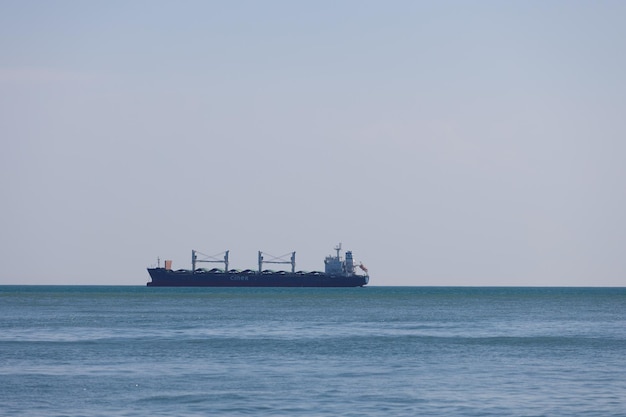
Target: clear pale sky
<point>444,142</point>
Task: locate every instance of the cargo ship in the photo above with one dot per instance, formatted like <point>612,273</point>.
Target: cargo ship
<point>338,272</point>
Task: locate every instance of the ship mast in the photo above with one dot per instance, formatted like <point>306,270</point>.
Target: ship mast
<point>194,260</point>
<point>338,249</point>
<point>278,260</point>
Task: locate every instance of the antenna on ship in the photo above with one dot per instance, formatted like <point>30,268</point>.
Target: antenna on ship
<point>338,249</point>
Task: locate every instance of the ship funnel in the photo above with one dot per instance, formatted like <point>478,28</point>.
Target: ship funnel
<point>349,263</point>
<point>168,265</point>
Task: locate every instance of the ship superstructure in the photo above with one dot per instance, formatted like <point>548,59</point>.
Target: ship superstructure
<point>338,272</point>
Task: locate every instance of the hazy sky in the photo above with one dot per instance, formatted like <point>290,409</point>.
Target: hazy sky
<point>444,142</point>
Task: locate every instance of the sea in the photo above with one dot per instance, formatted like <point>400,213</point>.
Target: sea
<point>373,351</point>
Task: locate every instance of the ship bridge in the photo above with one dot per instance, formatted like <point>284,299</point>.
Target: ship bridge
<point>336,265</point>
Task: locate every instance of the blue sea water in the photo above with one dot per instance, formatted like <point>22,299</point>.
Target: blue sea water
<point>374,351</point>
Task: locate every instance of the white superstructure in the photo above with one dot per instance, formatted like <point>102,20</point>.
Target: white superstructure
<point>335,265</point>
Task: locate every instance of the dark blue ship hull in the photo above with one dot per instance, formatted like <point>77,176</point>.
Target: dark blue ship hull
<point>162,277</point>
